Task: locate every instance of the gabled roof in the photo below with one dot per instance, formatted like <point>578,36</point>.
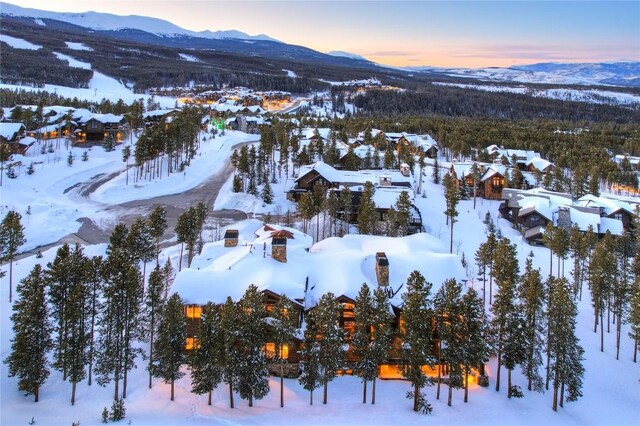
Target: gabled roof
<point>9,130</point>
<point>539,164</point>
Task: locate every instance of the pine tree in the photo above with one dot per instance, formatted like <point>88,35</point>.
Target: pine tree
<point>361,339</point>
<point>94,305</point>
<point>76,333</point>
<point>621,289</point>
<point>155,301</point>
<point>346,207</point>
<point>126,154</point>
<point>31,334</point>
<point>70,159</point>
<point>403,214</point>
<point>451,196</point>
<point>436,171</point>
<point>566,353</point>
<point>85,156</point>
<point>367,214</point>
<point>237,183</point>
<point>109,143</point>
<point>157,225</point>
<point>267,193</point>
<point>251,380</point>
<point>310,374</point>
<point>447,305</point>
<point>119,322</point>
<point>170,342</point>
<point>417,334</point>
<point>634,318</point>
<point>284,327</point>
<point>205,360</point>
<point>230,363</point>
<point>381,334</point>
<point>141,245</point>
<point>504,326</point>
<point>31,169</point>
<point>475,349</point>
<point>331,339</point>
<point>531,293</point>
<point>11,238</point>
<point>602,274</point>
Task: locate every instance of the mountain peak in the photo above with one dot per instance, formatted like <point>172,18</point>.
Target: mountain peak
<point>111,22</point>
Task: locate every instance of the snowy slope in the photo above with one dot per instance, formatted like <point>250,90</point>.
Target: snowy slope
<point>610,390</point>
<point>342,54</point>
<point>622,73</point>
<point>107,21</point>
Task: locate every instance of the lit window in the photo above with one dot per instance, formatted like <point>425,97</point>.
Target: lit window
<point>193,311</point>
<point>192,343</point>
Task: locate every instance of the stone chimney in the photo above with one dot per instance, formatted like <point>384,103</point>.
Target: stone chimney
<point>231,238</point>
<point>405,170</point>
<point>564,218</point>
<point>385,180</point>
<point>382,269</point>
<point>279,247</point>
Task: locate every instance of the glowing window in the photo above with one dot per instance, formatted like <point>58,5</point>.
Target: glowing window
<point>193,311</point>
<point>191,343</point>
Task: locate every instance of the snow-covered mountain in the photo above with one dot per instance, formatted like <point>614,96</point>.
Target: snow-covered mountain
<point>107,21</point>
<point>342,54</point>
<point>622,73</point>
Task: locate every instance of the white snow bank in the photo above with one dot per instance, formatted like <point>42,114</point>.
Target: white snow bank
<point>18,43</point>
<point>78,46</point>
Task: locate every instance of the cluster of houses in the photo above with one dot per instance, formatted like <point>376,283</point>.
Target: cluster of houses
<point>388,184</point>
<point>531,210</point>
<point>284,261</point>
<point>241,97</point>
<point>78,125</point>
<point>489,179</point>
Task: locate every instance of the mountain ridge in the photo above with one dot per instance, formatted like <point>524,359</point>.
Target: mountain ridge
<point>111,22</point>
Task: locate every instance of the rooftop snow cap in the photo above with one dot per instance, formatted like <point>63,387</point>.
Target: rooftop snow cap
<point>382,269</point>
<point>279,245</point>
<point>231,238</point>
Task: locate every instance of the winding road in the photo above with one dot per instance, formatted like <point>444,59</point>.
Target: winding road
<point>175,204</point>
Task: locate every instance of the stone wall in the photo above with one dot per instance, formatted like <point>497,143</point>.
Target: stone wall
<point>290,371</point>
<point>279,253</point>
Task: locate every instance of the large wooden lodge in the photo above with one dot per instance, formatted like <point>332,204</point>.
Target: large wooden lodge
<point>281,260</point>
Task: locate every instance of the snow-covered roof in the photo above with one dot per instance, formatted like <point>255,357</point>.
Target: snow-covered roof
<point>309,132</point>
<point>609,205</point>
<point>541,205</point>
<point>348,177</point>
<point>157,113</point>
<point>220,272</point>
<point>8,130</point>
<point>539,163</point>
<point>352,260</point>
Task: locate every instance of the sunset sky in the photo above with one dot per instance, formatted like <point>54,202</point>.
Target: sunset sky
<point>437,33</point>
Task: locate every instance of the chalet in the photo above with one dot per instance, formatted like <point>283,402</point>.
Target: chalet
<point>537,164</point>
<point>492,182</point>
<point>158,116</point>
<point>54,131</point>
<point>329,177</point>
<point>531,210</point>
<point>515,157</point>
<point>11,132</point>
<point>96,127</point>
<point>227,268</point>
<point>610,208</point>
<point>246,124</point>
